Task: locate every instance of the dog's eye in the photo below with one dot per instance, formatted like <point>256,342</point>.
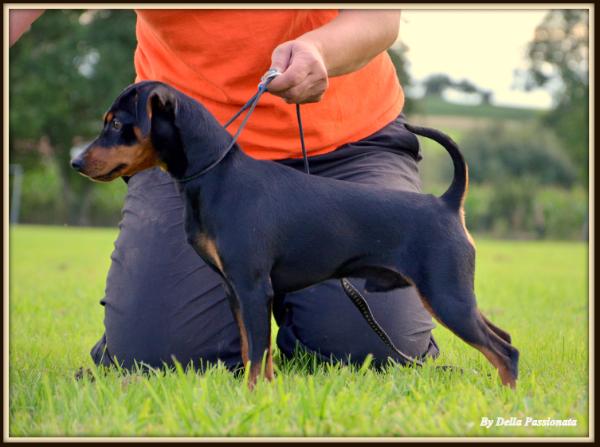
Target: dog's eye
<point>116,124</point>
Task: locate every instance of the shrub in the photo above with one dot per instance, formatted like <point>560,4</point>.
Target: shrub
<point>525,209</point>
<point>521,208</point>
<point>41,199</point>
<point>502,152</point>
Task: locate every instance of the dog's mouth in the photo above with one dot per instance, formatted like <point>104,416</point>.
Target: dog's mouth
<point>111,175</point>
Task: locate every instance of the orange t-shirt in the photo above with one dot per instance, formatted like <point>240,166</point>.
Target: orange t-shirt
<point>219,56</point>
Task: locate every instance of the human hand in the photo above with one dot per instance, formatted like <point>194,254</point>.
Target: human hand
<point>303,76</point>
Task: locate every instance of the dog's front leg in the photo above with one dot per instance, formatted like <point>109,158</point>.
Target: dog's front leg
<point>234,303</point>
<point>254,312</point>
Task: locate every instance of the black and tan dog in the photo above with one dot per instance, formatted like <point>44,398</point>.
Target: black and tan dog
<point>268,229</point>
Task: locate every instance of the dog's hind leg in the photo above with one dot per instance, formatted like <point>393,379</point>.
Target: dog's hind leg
<point>255,306</point>
<point>458,312</point>
<point>499,332</point>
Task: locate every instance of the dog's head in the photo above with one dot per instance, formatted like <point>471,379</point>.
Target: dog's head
<point>139,132</point>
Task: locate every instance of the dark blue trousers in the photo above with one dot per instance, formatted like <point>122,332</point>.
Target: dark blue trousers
<point>163,302</point>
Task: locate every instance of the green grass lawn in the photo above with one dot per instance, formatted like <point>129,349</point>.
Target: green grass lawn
<point>535,290</point>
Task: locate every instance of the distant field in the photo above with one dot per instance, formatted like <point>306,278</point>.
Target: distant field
<point>535,290</point>
<point>437,106</point>
<point>457,120</point>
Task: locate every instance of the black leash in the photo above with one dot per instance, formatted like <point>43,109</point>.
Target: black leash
<point>361,304</point>
<point>251,104</point>
<point>352,292</point>
<point>304,156</point>
<point>355,296</point>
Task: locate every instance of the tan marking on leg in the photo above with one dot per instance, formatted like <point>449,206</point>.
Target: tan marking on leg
<point>269,374</point>
<point>209,247</point>
<point>466,191</point>
<point>243,336</point>
<point>505,376</point>
<point>254,373</point>
<point>464,225</point>
<point>462,206</point>
<point>256,368</point>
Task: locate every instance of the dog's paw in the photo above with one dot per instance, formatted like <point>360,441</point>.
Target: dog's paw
<point>84,373</point>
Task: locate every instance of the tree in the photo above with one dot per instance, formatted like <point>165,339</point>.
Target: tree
<point>64,73</point>
<point>505,154</point>
<point>559,62</point>
<point>398,56</point>
<point>486,96</point>
<point>436,84</point>
<point>466,86</point>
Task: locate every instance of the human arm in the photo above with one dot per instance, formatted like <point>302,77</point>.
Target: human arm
<point>342,46</point>
<point>19,22</point>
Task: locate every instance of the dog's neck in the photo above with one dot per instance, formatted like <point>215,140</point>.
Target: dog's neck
<point>200,141</point>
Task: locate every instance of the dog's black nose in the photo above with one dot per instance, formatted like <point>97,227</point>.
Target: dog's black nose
<point>77,163</point>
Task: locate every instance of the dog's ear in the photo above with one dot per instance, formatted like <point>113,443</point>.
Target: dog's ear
<point>159,111</point>
<point>155,101</point>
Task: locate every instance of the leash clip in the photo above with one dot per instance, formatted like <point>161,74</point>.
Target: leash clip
<point>271,74</point>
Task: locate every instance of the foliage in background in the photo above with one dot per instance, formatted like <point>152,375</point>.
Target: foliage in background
<point>437,83</point>
<point>524,209</point>
<point>559,61</point>
<point>64,74</point>
<point>41,199</point>
<point>398,56</point>
<point>523,185</point>
<point>501,153</point>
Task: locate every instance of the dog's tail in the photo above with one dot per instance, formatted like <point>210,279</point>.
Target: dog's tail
<point>455,195</point>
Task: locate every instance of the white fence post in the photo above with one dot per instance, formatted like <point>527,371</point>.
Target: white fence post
<point>15,202</point>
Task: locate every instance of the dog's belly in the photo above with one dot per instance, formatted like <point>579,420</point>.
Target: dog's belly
<point>296,273</point>
<point>290,277</point>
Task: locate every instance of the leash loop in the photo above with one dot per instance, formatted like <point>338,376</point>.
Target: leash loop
<point>271,74</point>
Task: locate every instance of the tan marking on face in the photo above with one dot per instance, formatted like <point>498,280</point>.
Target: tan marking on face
<point>209,247</point>
<point>108,116</point>
<point>145,140</point>
<point>100,161</point>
